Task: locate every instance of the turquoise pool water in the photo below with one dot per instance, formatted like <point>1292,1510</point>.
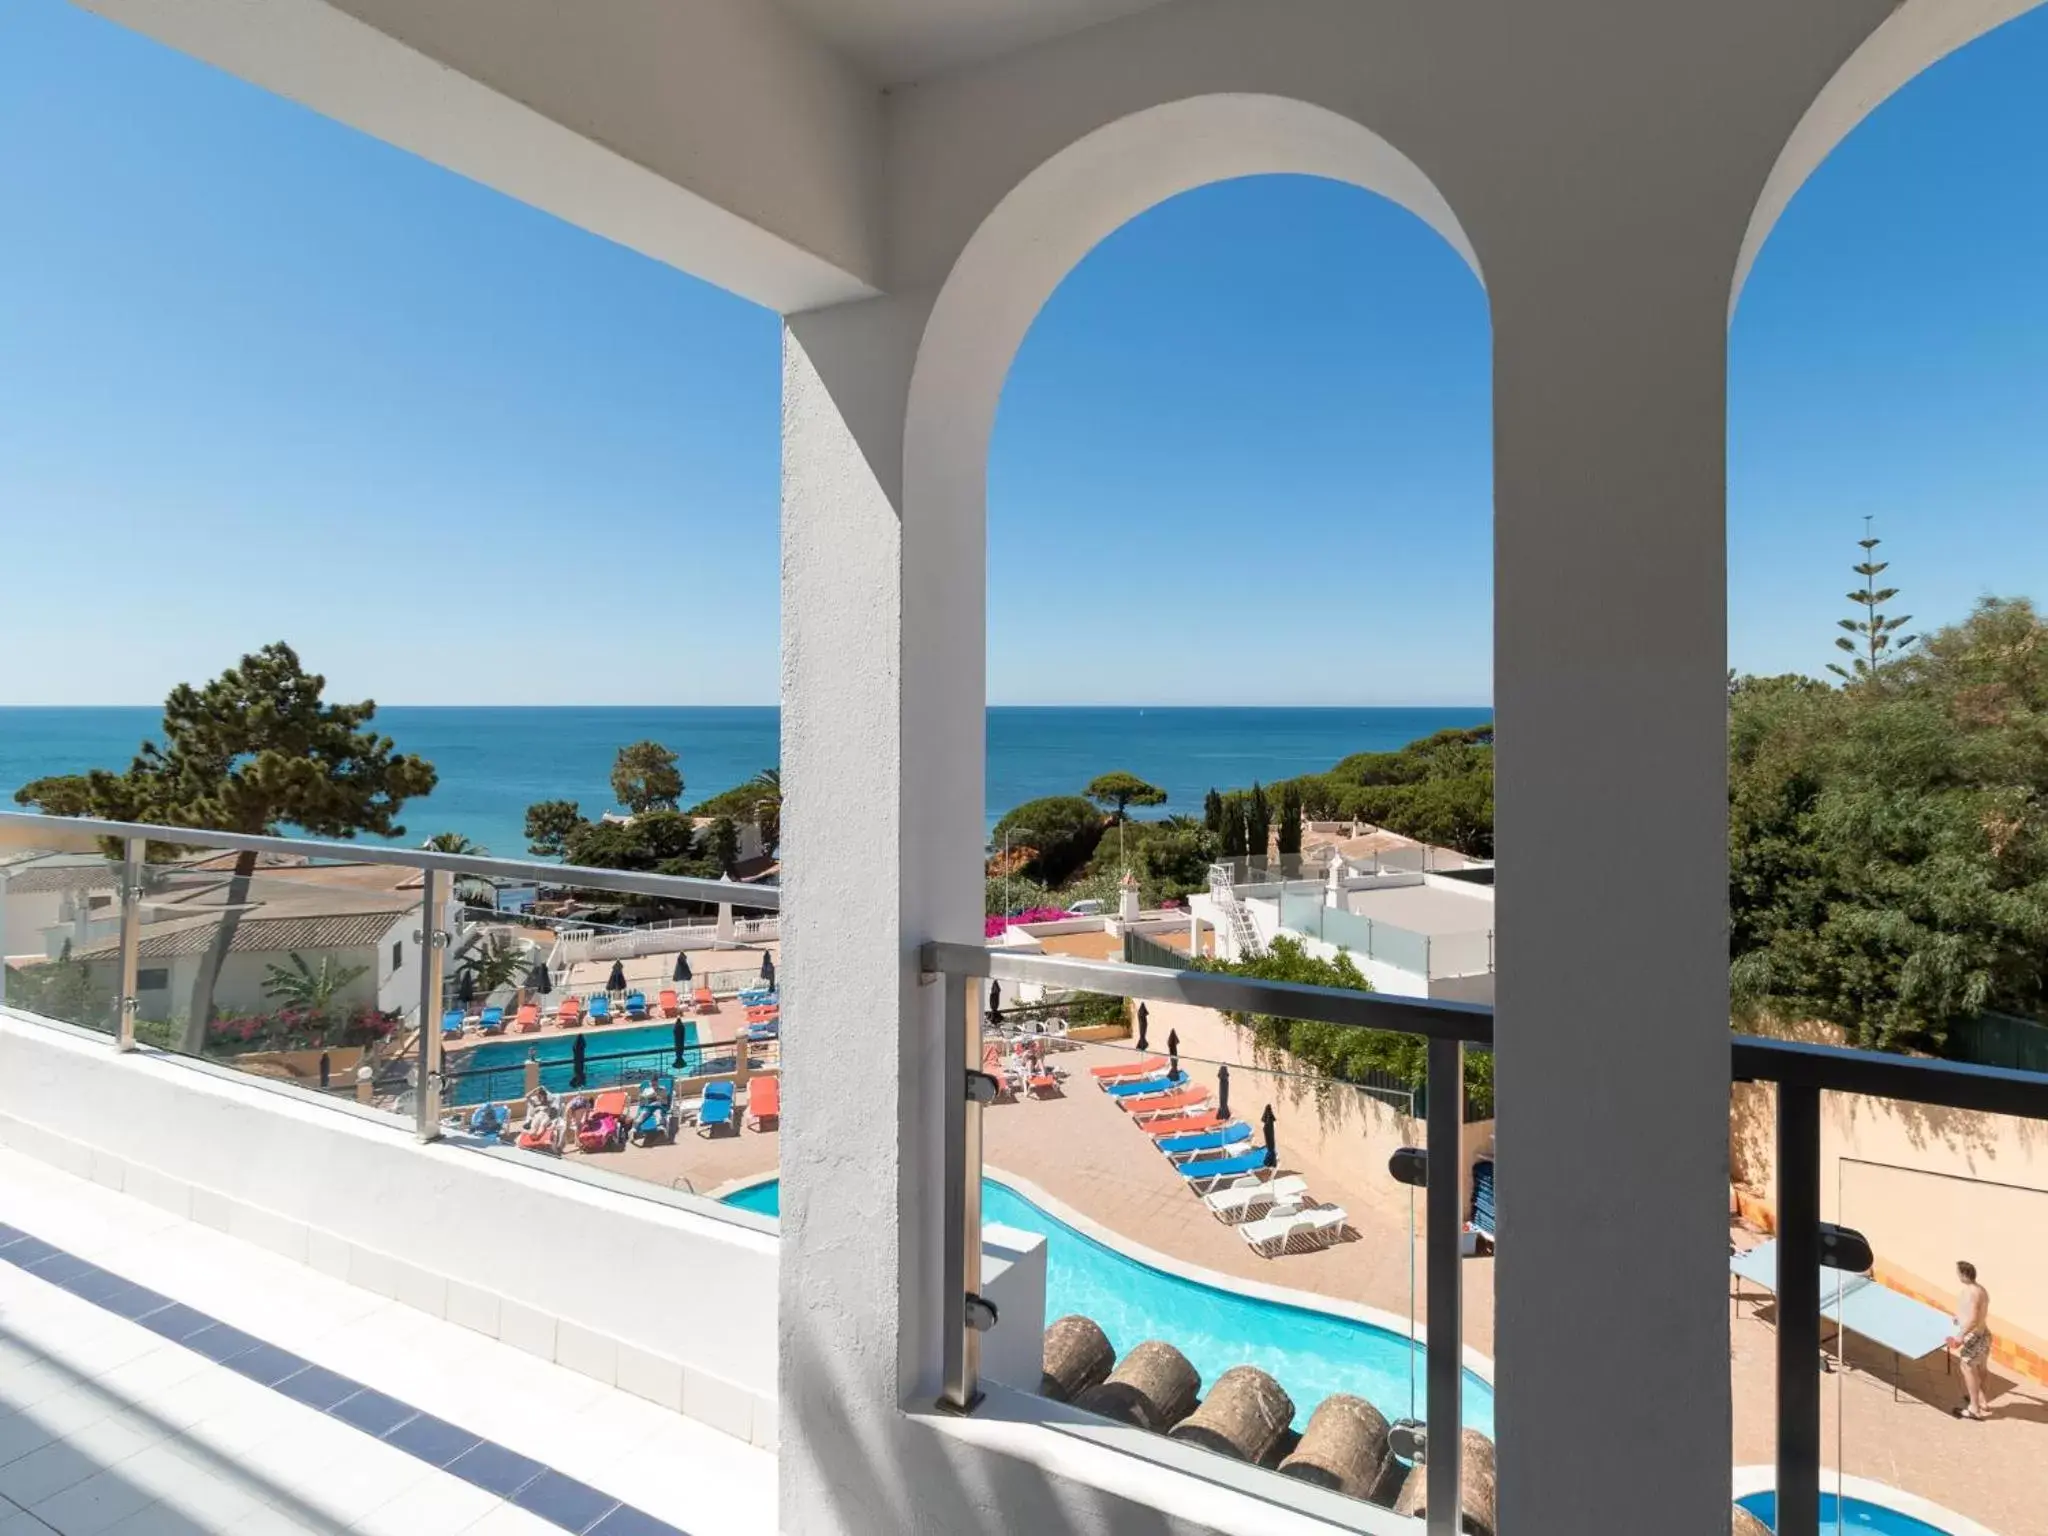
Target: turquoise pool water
<point>1856,1515</point>
<point>1311,1354</point>
<point>497,1068</point>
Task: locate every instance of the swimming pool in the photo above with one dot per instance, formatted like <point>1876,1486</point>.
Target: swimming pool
<point>497,1068</point>
<point>1312,1354</point>
<point>1856,1515</point>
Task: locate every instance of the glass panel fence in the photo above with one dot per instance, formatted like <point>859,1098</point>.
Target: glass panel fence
<point>589,1028</point>
<point>1933,1190</point>
<point>1928,1189</point>
<point>1228,1256</point>
<point>1307,912</point>
<point>300,972</point>
<point>628,1038</point>
<point>57,912</point>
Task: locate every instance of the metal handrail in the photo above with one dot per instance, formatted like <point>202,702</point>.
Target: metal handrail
<point>1433,1018</point>
<point>1448,1027</point>
<point>84,834</point>
<point>1883,1075</point>
<point>1801,1072</point>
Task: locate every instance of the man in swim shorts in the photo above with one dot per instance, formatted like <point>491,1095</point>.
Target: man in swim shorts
<point>1972,1340</point>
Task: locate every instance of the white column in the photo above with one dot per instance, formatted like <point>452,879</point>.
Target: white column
<point>1609,681</point>
<point>883,686</point>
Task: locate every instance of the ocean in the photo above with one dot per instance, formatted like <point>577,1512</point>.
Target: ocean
<point>494,762</point>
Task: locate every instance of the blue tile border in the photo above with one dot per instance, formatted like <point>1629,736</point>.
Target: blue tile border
<point>553,1496</point>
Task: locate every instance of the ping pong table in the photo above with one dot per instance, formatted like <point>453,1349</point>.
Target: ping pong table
<point>1909,1329</point>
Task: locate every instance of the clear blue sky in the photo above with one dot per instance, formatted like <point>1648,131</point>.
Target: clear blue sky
<point>262,377</point>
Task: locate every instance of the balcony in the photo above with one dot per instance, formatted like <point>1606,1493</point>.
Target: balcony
<point>907,184</point>
<point>1160,1253</point>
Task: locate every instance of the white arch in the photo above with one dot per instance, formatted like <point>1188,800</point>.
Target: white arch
<point>1916,36</point>
<point>1059,212</point>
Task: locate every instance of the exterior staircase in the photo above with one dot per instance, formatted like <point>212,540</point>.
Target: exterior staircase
<point>1244,934</point>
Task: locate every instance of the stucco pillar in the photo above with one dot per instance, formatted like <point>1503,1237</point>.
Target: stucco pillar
<point>1612,1020</point>
<point>882,694</point>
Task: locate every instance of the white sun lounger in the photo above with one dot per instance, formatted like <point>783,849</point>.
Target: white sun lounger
<point>1247,1193</point>
<point>1272,1235</point>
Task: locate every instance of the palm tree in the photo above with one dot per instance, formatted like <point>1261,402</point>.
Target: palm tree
<point>767,785</point>
<point>308,987</point>
<point>470,890</point>
<point>496,963</point>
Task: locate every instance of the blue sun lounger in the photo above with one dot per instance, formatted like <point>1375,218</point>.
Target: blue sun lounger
<point>717,1108</point>
<point>1206,1141</point>
<point>494,1021</point>
<point>1143,1086</point>
<point>600,1010</point>
<point>1209,1169</point>
<point>636,1005</point>
<point>451,1024</point>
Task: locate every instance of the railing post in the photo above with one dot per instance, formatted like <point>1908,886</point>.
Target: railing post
<point>133,852</point>
<point>1798,1310</point>
<point>960,1032</point>
<point>1441,1232</point>
<point>427,1069</point>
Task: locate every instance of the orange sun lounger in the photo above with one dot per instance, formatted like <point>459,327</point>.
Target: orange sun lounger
<point>1153,1103</point>
<point>667,1004</point>
<point>704,1001</point>
<point>1126,1069</point>
<point>529,1020</point>
<point>764,1100</point>
<point>570,1014</point>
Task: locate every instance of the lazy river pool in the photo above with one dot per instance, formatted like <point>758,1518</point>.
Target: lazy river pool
<point>1310,1353</point>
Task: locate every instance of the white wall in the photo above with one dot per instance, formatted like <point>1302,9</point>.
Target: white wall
<point>398,988</point>
<point>24,915</point>
<point>435,1226</point>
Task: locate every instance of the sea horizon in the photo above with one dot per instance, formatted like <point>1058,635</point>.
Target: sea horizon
<point>496,759</point>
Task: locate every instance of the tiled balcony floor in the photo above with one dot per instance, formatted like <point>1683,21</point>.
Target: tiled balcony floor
<point>272,1399</point>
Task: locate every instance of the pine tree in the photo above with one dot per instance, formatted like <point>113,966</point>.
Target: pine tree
<point>1231,812</point>
<point>255,750</point>
<point>1212,812</point>
<point>1874,633</point>
<point>1258,822</point>
<point>1290,817</point>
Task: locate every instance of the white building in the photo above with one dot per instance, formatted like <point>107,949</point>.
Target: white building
<point>906,181</point>
<point>1410,932</point>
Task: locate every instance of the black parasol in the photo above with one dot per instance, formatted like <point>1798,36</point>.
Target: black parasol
<point>1272,1151</point>
<point>1223,1093</point>
<point>1173,1053</point>
<point>676,1033</point>
<point>682,971</point>
<point>1144,1023</point>
<point>576,1073</point>
<point>617,983</point>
